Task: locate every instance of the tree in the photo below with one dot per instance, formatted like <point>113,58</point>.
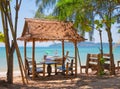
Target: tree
<point>7,22</point>
<point>108,11</point>
<point>70,11</point>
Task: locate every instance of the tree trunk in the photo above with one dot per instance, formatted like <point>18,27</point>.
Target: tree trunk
<point>10,64</point>
<point>10,69</point>
<point>108,29</point>
<point>112,65</point>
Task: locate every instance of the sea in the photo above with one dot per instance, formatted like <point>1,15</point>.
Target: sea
<point>56,50</point>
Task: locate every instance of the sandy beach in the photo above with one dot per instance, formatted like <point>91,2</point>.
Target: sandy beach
<point>82,81</point>
<point>37,35</point>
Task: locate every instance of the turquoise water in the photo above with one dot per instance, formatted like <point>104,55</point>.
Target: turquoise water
<point>84,49</point>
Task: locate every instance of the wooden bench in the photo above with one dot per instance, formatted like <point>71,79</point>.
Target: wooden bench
<point>93,62</point>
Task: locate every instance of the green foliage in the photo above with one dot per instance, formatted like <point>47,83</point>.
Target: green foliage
<point>42,16</point>
<point>108,21</point>
<point>75,11</point>
<point>119,31</point>
<point>44,5</point>
<point>102,60</point>
<point>2,39</point>
<point>39,15</point>
<point>61,2</point>
<point>101,72</point>
<point>113,20</point>
<point>98,23</point>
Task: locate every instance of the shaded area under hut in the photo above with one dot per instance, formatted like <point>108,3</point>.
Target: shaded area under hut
<point>49,30</point>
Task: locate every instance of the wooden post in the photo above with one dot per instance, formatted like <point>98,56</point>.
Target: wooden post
<point>75,44</point>
<point>87,64</point>
<point>33,59</point>
<point>25,54</point>
<point>79,60</point>
<point>67,69</point>
<point>43,69</point>
<point>63,53</point>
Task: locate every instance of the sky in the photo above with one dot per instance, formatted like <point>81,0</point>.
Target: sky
<point>27,10</point>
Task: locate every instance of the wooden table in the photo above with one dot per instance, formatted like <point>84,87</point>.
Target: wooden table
<point>49,68</point>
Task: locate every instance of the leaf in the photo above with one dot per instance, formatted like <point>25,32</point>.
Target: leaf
<point>113,20</point>
<point>99,24</point>
<point>2,39</point>
<point>102,60</point>
<point>119,31</point>
<point>96,22</point>
<point>87,28</point>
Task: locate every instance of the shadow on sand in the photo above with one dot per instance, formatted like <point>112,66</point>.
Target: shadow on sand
<point>63,82</point>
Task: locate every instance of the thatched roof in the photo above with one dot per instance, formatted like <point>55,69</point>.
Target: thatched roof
<point>44,30</point>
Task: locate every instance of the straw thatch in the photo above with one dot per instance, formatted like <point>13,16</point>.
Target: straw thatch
<point>43,30</point>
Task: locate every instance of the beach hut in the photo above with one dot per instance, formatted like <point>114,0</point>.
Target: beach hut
<point>49,30</point>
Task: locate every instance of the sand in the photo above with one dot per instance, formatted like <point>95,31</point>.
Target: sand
<point>82,81</point>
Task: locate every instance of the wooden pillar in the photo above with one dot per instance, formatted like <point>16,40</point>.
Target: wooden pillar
<point>63,62</point>
<point>25,54</point>
<point>33,59</point>
<point>75,44</point>
<point>63,50</point>
<point>25,64</point>
<point>87,64</point>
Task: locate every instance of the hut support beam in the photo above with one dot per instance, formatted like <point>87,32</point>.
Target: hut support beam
<point>25,54</point>
<point>75,44</point>
<point>33,59</point>
<point>63,52</point>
